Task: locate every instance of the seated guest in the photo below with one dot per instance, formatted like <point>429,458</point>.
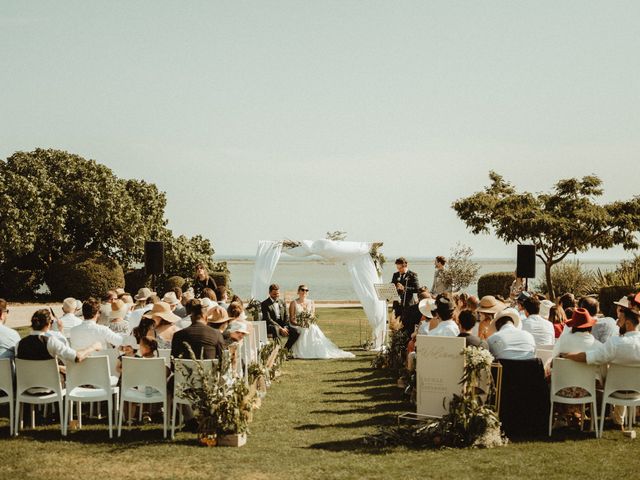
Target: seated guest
<point>148,348</point>
<point>412,315</point>
<point>9,338</point>
<point>473,303</point>
<point>558,319</point>
<point>145,299</point>
<point>605,327</point>
<point>235,332</point>
<point>223,296</point>
<point>205,342</point>
<point>568,300</point>
<point>427,307</point>
<point>467,321</point>
<point>210,294</point>
<point>89,332</point>
<point>105,307</point>
<point>508,342</point>
<point>164,320</point>
<point>541,329</point>
<point>117,322</point>
<point>218,318</point>
<point>579,337</point>
<point>39,346</point>
<point>447,326</point>
<point>129,348</point>
<point>487,309</point>
<point>172,300</point>
<point>180,309</point>
<point>70,307</point>
<point>128,301</point>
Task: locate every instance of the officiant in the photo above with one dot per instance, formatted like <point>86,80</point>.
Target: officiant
<point>407,284</point>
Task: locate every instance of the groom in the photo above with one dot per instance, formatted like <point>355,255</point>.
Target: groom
<point>274,312</point>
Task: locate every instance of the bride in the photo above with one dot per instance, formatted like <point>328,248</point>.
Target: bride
<point>312,343</point>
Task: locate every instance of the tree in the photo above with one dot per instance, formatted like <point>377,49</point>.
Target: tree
<point>565,221</point>
<point>460,271</point>
<point>182,254</point>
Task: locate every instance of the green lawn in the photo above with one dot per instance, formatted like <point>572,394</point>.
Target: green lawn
<point>311,425</point>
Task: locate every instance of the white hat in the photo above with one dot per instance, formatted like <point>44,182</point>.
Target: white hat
<point>71,305</point>
<point>170,298</point>
<point>426,305</point>
<point>238,326</point>
<point>545,308</point>
<point>623,302</point>
<point>130,341</point>
<point>119,309</point>
<point>143,294</point>
<point>510,312</point>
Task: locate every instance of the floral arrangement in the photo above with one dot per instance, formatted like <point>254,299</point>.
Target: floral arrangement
<point>377,257</point>
<point>254,308</point>
<point>305,319</point>
<point>289,243</point>
<point>468,423</point>
<point>281,356</point>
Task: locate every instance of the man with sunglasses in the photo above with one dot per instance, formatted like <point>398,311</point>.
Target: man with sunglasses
<point>9,338</point>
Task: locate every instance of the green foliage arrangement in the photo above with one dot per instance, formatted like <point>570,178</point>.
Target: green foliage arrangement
<point>254,309</point>
<point>395,356</point>
<point>172,282</point>
<point>460,271</point>
<point>565,221</point>
<point>496,283</point>
<point>84,274</point>
<point>570,277</point>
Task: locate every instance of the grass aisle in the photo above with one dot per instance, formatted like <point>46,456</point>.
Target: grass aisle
<point>310,426</point>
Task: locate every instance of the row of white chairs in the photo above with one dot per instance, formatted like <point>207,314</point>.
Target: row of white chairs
<point>143,381</point>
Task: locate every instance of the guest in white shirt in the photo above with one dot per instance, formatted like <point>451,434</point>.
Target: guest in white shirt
<point>105,308</point>
<point>70,307</point>
<point>447,326</point>
<point>89,332</point>
<point>579,338</point>
<point>605,327</point>
<point>541,329</point>
<point>9,338</point>
<point>144,303</point>
<point>508,342</point>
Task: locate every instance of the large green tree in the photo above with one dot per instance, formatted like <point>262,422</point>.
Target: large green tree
<point>53,203</point>
<point>565,221</point>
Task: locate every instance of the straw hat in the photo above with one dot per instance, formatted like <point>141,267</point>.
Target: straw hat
<point>119,309</point>
<point>545,308</point>
<point>581,318</point>
<point>170,298</point>
<point>489,304</point>
<point>510,312</point>
<point>426,305</point>
<point>143,294</point>
<point>218,315</point>
<point>162,310</point>
<point>71,305</point>
<point>623,302</point>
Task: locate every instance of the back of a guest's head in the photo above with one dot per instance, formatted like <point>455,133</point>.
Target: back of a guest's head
<point>235,309</point>
<point>210,294</point>
<point>441,260</point>
<point>424,294</point>
<point>531,305</point>
<point>90,308</point>
<point>221,292</point>
<point>236,298</point>
<point>557,315</point>
<point>40,319</point>
<point>152,300</point>
<point>567,300</point>
<point>178,292</point>
<point>444,306</point>
<point>196,309</point>
<point>467,320</point>
<point>473,303</point>
<point>145,325</point>
<point>150,345</point>
<point>632,316</point>
<point>3,306</point>
<point>568,312</point>
<point>590,304</point>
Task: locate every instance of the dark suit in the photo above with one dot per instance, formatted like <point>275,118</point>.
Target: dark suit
<point>411,318</point>
<point>410,283</point>
<point>206,342</point>
<point>274,321</point>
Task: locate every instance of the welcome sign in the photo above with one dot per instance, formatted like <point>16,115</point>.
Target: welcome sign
<point>438,369</point>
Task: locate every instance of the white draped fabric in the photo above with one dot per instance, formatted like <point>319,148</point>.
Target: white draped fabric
<point>359,263</point>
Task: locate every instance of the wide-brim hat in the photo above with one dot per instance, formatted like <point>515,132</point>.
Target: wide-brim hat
<point>170,298</point>
<point>426,306</point>
<point>217,315</point>
<point>238,327</point>
<point>71,305</point>
<point>119,309</point>
<point>143,294</point>
<point>580,319</point>
<point>623,302</point>
<point>130,341</point>
<point>162,310</point>
<point>510,312</point>
<point>489,304</point>
<point>545,308</point>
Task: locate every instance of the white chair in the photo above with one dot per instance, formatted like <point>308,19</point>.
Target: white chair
<point>546,355</point>
<point>621,378</point>
<point>179,378</point>
<point>567,373</point>
<point>166,354</point>
<point>144,380</point>
<point>6,386</point>
<point>38,374</point>
<point>90,381</point>
<point>261,328</point>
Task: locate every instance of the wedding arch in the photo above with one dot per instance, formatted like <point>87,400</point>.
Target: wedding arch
<point>361,259</point>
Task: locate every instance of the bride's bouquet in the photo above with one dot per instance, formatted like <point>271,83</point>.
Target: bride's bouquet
<point>306,319</point>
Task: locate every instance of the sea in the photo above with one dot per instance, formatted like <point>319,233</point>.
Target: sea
<point>331,281</point>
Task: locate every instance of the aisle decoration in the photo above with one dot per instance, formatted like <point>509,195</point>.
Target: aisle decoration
<point>469,421</point>
<point>254,309</point>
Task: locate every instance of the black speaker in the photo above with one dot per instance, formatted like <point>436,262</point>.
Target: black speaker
<point>526,261</point>
<point>154,258</point>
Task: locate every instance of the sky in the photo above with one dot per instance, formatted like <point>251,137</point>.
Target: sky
<point>288,119</point>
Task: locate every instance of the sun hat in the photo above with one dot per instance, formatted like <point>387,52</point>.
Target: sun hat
<point>218,315</point>
<point>170,298</point>
<point>118,309</point>
<point>623,302</point>
<point>207,303</point>
<point>238,327</point>
<point>510,312</point>
<point>545,308</point>
<point>130,341</point>
<point>71,305</point>
<point>143,294</point>
<point>581,318</point>
<point>162,310</point>
<point>489,304</point>
<point>425,306</point>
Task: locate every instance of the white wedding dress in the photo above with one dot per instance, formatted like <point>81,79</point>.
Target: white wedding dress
<point>312,343</point>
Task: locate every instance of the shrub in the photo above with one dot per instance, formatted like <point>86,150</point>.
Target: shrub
<point>496,283</point>
<point>570,277</point>
<point>135,279</point>
<point>172,282</point>
<point>83,274</point>
<point>608,295</point>
<point>18,284</point>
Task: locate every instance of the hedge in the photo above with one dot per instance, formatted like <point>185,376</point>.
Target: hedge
<point>496,283</point>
